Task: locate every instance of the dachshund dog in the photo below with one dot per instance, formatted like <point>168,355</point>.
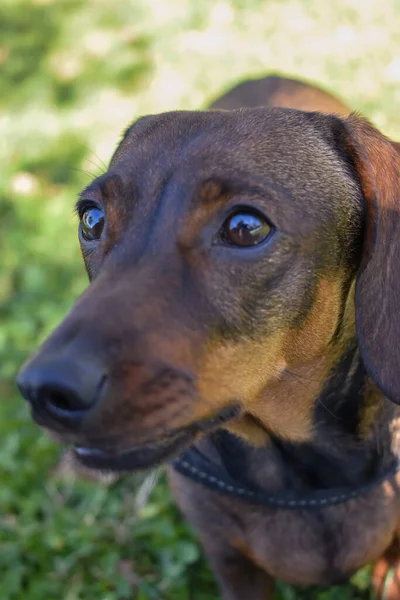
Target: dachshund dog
<point>241,326</point>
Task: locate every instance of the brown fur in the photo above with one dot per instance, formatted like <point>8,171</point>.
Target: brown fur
<point>283,92</point>
<point>175,328</point>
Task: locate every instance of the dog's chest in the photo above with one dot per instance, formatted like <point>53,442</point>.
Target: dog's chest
<point>302,547</point>
<point>323,546</point>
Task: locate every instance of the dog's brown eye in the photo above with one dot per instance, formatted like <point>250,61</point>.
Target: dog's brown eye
<point>245,229</point>
<point>92,223</point>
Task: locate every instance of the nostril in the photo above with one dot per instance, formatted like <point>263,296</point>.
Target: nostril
<point>62,399</point>
<point>62,402</point>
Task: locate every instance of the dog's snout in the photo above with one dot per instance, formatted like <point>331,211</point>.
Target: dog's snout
<point>64,390</point>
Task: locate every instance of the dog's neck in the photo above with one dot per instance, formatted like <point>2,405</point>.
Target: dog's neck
<point>329,425</point>
<point>351,445</point>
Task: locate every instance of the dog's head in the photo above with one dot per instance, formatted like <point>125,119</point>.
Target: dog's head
<point>222,248</point>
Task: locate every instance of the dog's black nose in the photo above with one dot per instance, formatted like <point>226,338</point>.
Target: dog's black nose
<point>63,389</point>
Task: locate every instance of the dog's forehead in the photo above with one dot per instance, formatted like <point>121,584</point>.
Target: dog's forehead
<point>258,131</point>
<point>287,146</point>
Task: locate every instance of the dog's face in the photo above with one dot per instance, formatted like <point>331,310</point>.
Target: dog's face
<point>221,247</point>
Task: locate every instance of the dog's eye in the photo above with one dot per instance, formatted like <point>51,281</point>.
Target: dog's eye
<point>245,229</point>
<point>92,223</point>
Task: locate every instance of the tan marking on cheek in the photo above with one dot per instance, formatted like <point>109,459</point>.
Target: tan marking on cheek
<point>277,380</point>
<point>237,372</point>
<point>314,336</point>
<point>286,407</point>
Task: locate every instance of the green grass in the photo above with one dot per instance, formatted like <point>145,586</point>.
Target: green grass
<point>73,75</point>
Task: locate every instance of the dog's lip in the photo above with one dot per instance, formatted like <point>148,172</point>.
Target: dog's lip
<point>93,452</point>
<point>151,454</point>
<point>137,458</point>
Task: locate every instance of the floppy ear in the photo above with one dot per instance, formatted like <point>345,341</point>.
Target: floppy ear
<point>377,164</point>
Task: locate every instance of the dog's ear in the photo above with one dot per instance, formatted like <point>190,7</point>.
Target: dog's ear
<point>376,161</point>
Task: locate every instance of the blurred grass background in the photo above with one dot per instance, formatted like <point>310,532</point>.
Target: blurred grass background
<point>72,75</point>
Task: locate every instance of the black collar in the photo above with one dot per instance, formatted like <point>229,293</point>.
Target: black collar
<point>218,465</point>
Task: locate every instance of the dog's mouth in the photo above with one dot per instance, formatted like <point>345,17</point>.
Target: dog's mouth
<point>153,453</point>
